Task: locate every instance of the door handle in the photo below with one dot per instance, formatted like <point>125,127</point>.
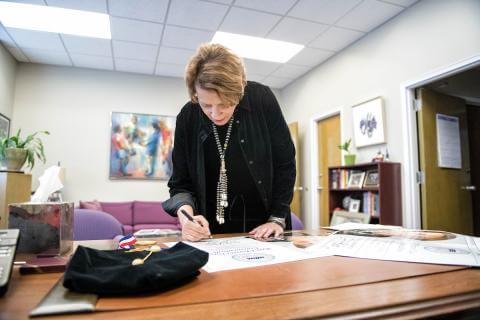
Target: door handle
<point>469,188</point>
<point>298,189</point>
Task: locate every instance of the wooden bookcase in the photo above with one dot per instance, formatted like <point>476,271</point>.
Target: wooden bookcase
<point>387,196</point>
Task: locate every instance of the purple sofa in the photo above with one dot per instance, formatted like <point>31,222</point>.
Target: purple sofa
<point>136,215</point>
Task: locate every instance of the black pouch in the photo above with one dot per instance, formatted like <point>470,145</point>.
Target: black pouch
<point>112,273</point>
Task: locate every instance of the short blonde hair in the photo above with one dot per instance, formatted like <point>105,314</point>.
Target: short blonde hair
<point>214,67</point>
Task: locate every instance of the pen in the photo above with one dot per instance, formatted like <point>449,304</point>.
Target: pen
<point>189,217</point>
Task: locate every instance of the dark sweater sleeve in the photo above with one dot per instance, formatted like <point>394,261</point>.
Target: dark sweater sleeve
<point>283,157</point>
<point>180,183</point>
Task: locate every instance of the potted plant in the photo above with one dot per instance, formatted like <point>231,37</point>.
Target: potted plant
<point>14,151</point>
<point>349,159</point>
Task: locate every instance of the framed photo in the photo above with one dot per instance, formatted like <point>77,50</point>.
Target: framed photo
<point>368,125</point>
<point>356,180</point>
<point>141,146</point>
<point>340,217</point>
<point>4,126</point>
<point>371,179</point>
<point>354,205</point>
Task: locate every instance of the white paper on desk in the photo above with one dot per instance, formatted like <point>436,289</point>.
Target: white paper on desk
<point>461,250</point>
<point>49,183</point>
<point>240,252</point>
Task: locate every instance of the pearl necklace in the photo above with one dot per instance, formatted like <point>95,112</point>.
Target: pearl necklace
<point>222,185</point>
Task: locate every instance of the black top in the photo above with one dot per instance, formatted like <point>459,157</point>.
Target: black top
<point>266,148</point>
<point>245,209</point>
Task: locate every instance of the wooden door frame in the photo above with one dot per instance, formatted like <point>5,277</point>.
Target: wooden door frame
<point>314,217</point>
<point>411,194</point>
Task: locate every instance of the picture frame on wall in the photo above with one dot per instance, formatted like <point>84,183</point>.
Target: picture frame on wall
<point>141,146</point>
<point>4,126</point>
<point>368,123</point>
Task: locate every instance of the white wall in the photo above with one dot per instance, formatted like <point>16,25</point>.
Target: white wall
<point>75,105</point>
<point>428,36</point>
<point>8,67</point>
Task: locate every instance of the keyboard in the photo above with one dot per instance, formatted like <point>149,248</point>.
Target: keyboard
<point>8,246</point>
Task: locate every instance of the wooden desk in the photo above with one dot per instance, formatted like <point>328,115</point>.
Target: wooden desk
<point>331,287</point>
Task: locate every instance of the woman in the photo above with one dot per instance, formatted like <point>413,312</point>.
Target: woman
<point>233,157</point>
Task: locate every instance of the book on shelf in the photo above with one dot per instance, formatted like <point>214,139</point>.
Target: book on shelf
<point>371,204</point>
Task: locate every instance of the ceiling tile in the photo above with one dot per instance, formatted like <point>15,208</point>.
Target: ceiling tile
<point>336,39</point>
<point>368,15</point>
<point>221,1</point>
<point>260,67</point>
<point>47,57</point>
<point>273,6</point>
<point>85,45</point>
<point>149,10</point>
<point>403,3</point>
<point>325,11</point>
<point>93,62</point>
<point>170,70</point>
<point>175,56</point>
<point>5,38</point>
<point>184,37</point>
<point>255,77</point>
<point>296,31</point>
<point>17,54</point>
<point>310,57</point>
<point>249,22</point>
<point>194,13</point>
<point>290,71</point>
<point>135,66</point>
<point>131,50</point>
<point>36,2</point>
<point>85,5</point>
<point>36,39</point>
<point>136,31</point>
<point>276,82</point>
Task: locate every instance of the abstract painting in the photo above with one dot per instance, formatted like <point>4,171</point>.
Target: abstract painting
<point>368,126</point>
<point>141,146</point>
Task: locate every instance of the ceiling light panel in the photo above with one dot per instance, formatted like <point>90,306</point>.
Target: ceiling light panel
<point>57,20</point>
<point>258,48</point>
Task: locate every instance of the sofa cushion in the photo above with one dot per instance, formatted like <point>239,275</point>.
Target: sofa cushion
<point>151,212</point>
<point>155,226</point>
<point>127,229</point>
<point>91,205</point>
<point>120,210</point>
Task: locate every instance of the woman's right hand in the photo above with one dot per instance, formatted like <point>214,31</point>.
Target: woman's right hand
<point>193,230</point>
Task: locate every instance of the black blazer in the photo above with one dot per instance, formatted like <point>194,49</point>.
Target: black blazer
<point>266,145</point>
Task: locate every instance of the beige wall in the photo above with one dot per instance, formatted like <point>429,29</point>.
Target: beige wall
<point>8,67</point>
<point>430,35</point>
<point>74,105</point>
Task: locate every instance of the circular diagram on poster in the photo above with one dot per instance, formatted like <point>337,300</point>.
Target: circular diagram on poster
<point>253,257</point>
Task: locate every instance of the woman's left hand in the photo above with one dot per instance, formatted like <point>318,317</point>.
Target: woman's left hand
<point>266,230</point>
